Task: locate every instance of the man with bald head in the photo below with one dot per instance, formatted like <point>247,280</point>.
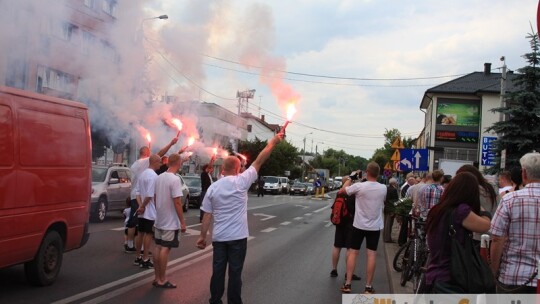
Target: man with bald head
<point>146,211</point>
<point>136,169</point>
<point>226,203</point>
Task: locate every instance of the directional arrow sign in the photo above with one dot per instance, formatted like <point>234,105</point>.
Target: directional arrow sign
<point>266,216</point>
<point>414,159</point>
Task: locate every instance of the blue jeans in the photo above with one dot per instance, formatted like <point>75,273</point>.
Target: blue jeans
<point>232,253</point>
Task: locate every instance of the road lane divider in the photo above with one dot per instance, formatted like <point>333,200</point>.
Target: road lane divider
<point>285,223</point>
<point>270,229</point>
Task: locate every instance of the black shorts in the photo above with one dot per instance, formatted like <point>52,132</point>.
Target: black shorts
<point>145,225</point>
<point>133,219</point>
<point>343,236</point>
<point>372,238</point>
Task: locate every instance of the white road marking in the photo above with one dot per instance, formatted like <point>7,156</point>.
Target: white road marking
<point>298,218</point>
<point>285,223</point>
<point>269,229</point>
<point>308,214</point>
<point>323,208</point>
<point>328,224</point>
<point>266,216</point>
<point>302,206</point>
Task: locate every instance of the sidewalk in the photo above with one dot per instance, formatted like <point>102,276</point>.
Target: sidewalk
<point>390,250</point>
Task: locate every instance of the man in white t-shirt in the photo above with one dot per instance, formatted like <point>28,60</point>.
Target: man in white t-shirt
<point>368,222</point>
<point>146,211</point>
<point>136,169</point>
<point>226,203</point>
<point>169,219</point>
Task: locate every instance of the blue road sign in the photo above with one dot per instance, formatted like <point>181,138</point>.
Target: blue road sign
<point>488,151</point>
<point>414,159</point>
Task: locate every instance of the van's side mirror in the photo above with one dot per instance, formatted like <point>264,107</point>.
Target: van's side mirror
<point>113,181</point>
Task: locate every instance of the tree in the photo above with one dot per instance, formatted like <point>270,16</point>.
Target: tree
<point>283,156</point>
<point>382,155</point>
<point>519,132</point>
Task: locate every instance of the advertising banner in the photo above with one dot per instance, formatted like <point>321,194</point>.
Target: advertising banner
<point>458,114</point>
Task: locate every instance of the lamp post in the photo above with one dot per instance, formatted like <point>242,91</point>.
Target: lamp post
<point>304,158</point>
<point>317,147</point>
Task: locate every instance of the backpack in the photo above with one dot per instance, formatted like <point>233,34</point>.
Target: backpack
<point>339,209</point>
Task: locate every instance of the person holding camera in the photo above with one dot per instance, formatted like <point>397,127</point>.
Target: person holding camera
<point>367,223</point>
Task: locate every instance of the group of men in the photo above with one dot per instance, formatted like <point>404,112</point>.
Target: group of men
<point>156,210</point>
<point>156,213</point>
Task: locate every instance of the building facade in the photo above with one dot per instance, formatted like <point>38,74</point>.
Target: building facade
<point>457,116</point>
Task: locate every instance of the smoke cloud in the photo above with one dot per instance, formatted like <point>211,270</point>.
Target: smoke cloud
<point>126,69</point>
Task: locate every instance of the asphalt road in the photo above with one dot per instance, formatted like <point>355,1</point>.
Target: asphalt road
<point>288,261</point>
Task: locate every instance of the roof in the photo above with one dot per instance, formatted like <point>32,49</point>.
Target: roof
<point>476,83</point>
<point>271,127</point>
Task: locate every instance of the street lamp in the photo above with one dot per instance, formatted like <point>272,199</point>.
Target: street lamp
<point>317,147</point>
<point>304,157</point>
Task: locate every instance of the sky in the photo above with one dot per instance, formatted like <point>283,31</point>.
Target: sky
<point>406,46</point>
<point>353,69</point>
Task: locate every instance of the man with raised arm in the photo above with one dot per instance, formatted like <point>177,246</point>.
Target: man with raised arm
<point>226,203</point>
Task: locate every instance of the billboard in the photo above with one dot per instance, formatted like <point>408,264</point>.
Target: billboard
<point>458,114</point>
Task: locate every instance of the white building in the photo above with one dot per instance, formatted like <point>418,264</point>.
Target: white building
<point>259,128</point>
<point>457,114</point>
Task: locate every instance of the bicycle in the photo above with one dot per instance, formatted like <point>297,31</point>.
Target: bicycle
<point>414,256</point>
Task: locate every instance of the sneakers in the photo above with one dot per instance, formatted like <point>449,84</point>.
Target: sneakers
<point>333,273</point>
<point>369,290</point>
<point>128,249</point>
<point>354,277</point>
<point>138,261</point>
<point>346,288</point>
<point>146,264</point>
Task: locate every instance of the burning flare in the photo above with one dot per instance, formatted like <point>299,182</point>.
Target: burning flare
<point>178,124</point>
<point>291,110</point>
<point>191,141</point>
<point>215,151</point>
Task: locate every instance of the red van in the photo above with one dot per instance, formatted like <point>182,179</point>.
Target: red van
<point>45,181</point>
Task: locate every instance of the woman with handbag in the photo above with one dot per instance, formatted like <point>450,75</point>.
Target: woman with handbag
<point>451,221</point>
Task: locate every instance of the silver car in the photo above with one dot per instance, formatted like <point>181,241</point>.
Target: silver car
<point>185,194</point>
<point>111,187</point>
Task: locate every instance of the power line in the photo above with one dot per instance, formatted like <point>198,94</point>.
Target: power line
<point>335,77</point>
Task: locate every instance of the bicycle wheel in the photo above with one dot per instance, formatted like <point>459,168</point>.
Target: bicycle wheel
<point>399,257</point>
<point>406,263</point>
<point>421,284</point>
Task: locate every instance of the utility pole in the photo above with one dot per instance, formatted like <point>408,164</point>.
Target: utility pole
<point>501,115</point>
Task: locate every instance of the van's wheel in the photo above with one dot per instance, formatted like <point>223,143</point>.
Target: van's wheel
<point>100,212</point>
<point>45,266</point>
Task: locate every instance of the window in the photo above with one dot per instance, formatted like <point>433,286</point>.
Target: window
<point>53,79</point>
<point>16,73</point>
<point>88,40</point>
<point>62,30</point>
<point>90,3</point>
<point>109,7</point>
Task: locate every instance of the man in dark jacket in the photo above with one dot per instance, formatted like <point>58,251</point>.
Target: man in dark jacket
<point>206,181</point>
<point>392,195</point>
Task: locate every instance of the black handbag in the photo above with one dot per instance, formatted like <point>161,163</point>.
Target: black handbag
<point>468,270</point>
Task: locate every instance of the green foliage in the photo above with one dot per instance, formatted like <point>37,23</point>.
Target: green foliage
<point>404,206</point>
<point>519,132</point>
<point>339,163</point>
<point>283,157</point>
<point>382,155</point>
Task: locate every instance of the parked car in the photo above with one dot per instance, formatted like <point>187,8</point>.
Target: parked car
<point>185,194</point>
<point>272,184</point>
<point>111,186</point>
<point>299,188</point>
<point>310,189</point>
<point>285,187</point>
<point>195,188</point>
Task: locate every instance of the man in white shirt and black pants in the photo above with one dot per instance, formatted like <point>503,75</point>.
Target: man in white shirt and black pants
<point>146,211</point>
<point>226,203</point>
